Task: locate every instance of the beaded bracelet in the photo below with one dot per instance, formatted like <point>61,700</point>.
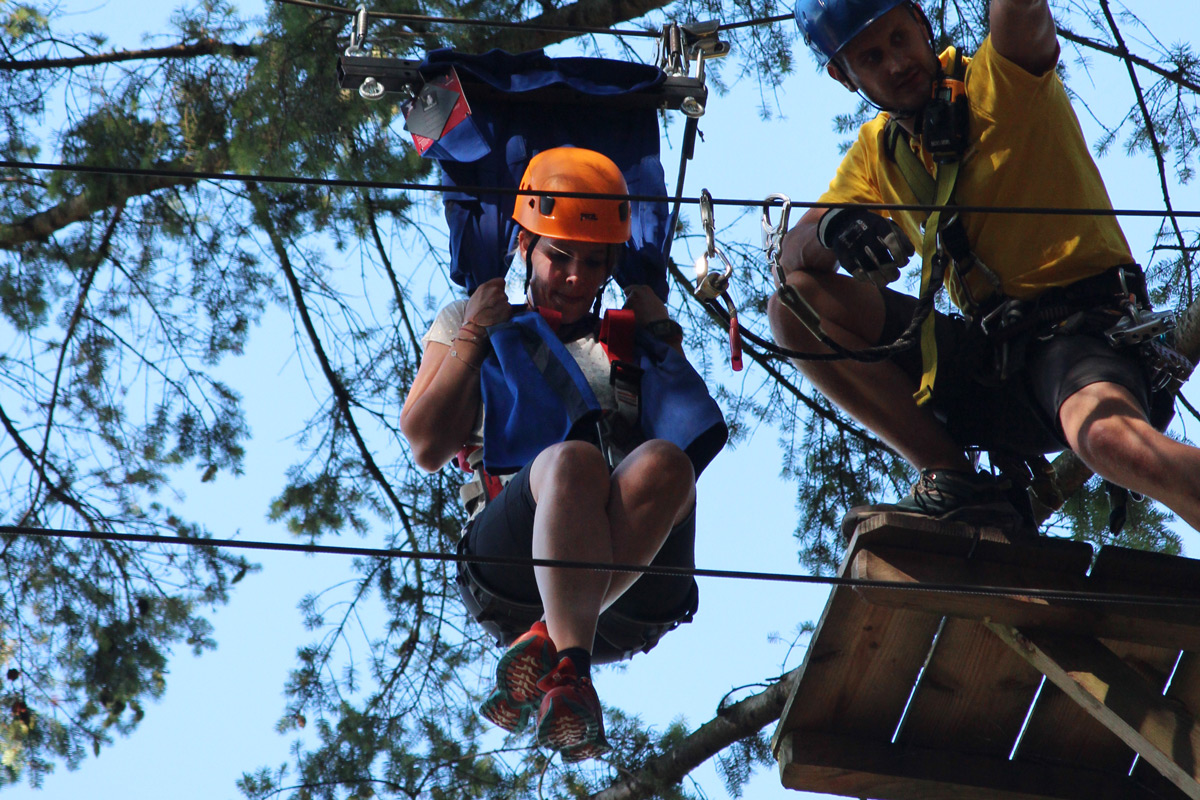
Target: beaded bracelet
<point>454,354</point>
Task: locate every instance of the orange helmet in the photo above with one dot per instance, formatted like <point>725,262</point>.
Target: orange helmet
<point>583,219</point>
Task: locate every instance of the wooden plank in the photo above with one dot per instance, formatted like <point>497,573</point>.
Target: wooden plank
<point>1061,732</point>
<point>843,765</point>
<point>972,696</point>
<point>1185,687</point>
<point>1176,575</point>
<point>955,538</point>
<point>1089,744</point>
<point>1185,690</point>
<point>862,661</point>
<point>1161,732</point>
<point>859,668</point>
<point>1173,626</point>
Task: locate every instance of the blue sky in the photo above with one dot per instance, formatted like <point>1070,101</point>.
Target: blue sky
<point>219,711</point>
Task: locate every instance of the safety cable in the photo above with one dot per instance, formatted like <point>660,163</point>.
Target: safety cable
<point>483,23</point>
<point>150,172</point>
<point>646,569</point>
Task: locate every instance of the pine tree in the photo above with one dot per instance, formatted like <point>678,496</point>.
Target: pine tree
<point>121,297</point>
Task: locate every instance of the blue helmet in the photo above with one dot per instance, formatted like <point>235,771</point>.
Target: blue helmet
<point>828,25</point>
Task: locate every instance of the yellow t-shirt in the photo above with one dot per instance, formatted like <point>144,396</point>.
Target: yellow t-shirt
<point>1026,150</point>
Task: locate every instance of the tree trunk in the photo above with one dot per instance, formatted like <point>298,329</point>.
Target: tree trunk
<point>585,13</point>
<point>738,721</point>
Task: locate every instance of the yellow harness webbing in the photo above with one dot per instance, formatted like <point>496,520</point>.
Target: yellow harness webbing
<point>939,192</point>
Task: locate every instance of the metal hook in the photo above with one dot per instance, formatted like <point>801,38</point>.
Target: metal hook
<point>775,231</point>
<point>772,235</point>
<point>358,34</point>
<point>706,220</point>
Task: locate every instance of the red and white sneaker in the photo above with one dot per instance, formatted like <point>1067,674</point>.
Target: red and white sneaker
<point>517,693</point>
<point>570,719</point>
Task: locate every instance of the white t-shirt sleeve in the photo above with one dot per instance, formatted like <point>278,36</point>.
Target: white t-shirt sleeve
<point>447,323</point>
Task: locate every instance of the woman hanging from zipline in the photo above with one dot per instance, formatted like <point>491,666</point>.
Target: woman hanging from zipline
<point>595,432</point>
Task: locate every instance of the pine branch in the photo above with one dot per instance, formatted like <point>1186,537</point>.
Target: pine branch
<point>43,224</point>
<point>735,723</point>
<point>61,494</point>
<point>85,286</point>
<point>203,47</point>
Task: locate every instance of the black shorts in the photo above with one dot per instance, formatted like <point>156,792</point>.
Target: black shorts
<point>653,605</point>
<point>1019,415</point>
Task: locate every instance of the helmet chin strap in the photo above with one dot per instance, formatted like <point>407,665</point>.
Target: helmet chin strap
<point>533,242</point>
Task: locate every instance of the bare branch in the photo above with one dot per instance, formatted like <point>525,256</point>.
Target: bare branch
<point>203,47</point>
<point>1175,75</point>
<point>41,225</point>
<point>1148,122</point>
<point>340,392</point>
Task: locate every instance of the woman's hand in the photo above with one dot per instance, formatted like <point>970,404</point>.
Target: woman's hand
<point>645,304</point>
<point>488,304</point>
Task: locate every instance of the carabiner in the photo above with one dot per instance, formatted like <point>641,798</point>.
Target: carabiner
<point>711,285</point>
<point>772,235</point>
<point>706,221</point>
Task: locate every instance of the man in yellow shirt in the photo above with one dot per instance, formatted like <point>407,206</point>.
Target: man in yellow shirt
<point>1030,370</point>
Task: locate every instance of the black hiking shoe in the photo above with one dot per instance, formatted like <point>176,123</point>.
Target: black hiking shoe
<point>950,496</point>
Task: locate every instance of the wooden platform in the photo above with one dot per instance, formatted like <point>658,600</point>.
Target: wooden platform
<point>921,694</point>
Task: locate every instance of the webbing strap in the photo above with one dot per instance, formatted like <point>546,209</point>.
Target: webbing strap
<point>946,180</point>
<point>928,191</point>
<point>617,334</point>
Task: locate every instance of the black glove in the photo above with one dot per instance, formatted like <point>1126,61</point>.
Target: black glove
<point>870,247</point>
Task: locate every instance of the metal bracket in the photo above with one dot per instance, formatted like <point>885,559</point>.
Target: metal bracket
<point>679,46</point>
<point>395,75</point>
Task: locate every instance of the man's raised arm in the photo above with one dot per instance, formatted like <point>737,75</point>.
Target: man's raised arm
<point>1023,32</point>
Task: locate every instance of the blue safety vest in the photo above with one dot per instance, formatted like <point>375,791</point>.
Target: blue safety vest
<point>535,395</point>
<point>494,144</point>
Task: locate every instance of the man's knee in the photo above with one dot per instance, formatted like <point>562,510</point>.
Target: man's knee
<point>1106,427</point>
